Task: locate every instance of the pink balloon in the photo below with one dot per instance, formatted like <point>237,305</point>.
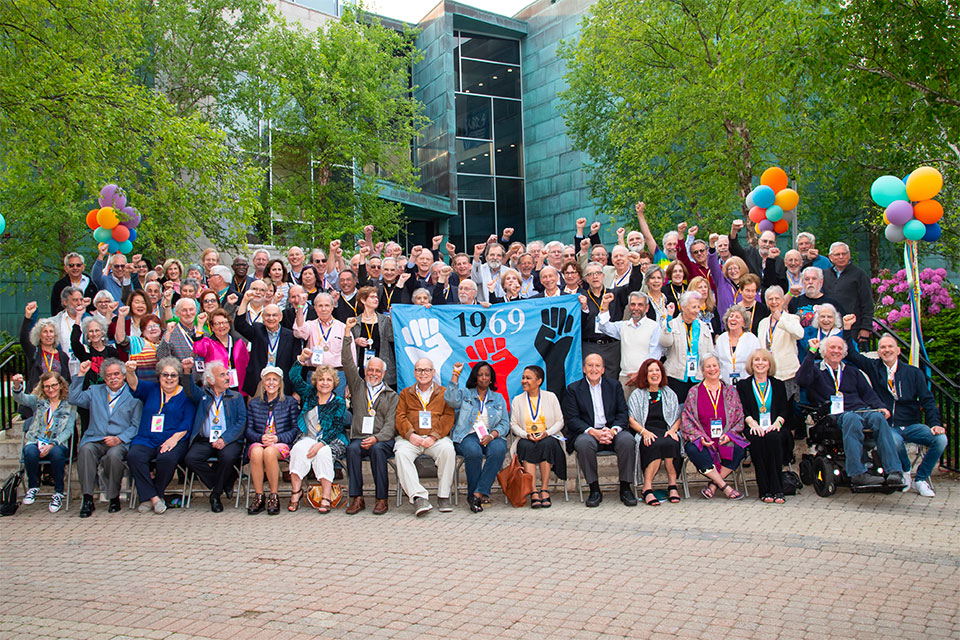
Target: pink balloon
<point>899,212</point>
<point>765,225</point>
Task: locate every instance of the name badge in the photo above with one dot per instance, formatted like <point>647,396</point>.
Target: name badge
<point>42,442</point>
<point>765,423</point>
<point>215,434</point>
<point>234,380</point>
<point>716,428</point>
<point>316,359</point>
<point>481,428</point>
<point>156,423</point>
<point>734,377</point>
<point>691,366</point>
<point>366,427</point>
<point>836,404</point>
<point>368,355</point>
<point>199,365</point>
<point>426,421</point>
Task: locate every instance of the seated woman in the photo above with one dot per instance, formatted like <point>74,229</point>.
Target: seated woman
<point>271,429</point>
<point>765,405</point>
<point>222,347</point>
<point>47,432</point>
<point>735,345</point>
<point>166,421</point>
<point>655,416</point>
<point>480,430</point>
<point>711,424</point>
<point>535,416</point>
<point>321,423</point>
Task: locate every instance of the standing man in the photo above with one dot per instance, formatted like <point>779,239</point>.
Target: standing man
<point>73,264</point>
<point>271,345</point>
<point>241,280</point>
<point>259,259</point>
<point>848,282</point>
<point>594,341</point>
<point>639,336</point>
<point>295,259</point>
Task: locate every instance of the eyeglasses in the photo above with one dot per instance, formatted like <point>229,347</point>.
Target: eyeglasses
<point>54,385</point>
<point>169,375</point>
<point>695,251</point>
<point>422,370</point>
<point>320,260</point>
<point>75,265</point>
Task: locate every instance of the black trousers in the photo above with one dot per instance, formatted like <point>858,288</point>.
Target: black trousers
<point>138,459</point>
<point>217,474</point>
<point>766,452</point>
<point>378,455</point>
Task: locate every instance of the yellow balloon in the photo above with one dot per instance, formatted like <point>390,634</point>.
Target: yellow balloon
<point>924,183</point>
<point>886,220</point>
<point>108,218</point>
<point>757,228</point>
<point>787,199</point>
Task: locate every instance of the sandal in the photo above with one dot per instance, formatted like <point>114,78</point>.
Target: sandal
<point>707,491</point>
<point>653,502</point>
<point>295,504</point>
<point>325,505</point>
<point>767,498</point>
<point>733,495</point>
<point>545,499</point>
<point>778,498</point>
<point>673,499</point>
<point>273,504</point>
<point>535,502</point>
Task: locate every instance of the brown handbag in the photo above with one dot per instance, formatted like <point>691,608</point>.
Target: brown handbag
<point>516,483</point>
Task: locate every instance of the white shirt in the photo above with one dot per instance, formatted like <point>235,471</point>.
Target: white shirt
<point>599,417</point>
<point>638,340</point>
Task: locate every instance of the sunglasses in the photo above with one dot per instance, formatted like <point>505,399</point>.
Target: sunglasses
<point>169,375</point>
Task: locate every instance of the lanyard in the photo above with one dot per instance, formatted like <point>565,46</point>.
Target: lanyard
<point>534,415</point>
<point>673,290</point>
<point>389,295</point>
<point>420,398</point>
<point>368,329</point>
<point>525,287</point>
<point>112,400</point>
<point>753,310</point>
<point>483,401</point>
<point>763,395</point>
<point>714,400</point>
<point>48,419</point>
<point>353,307</point>
<point>256,318</point>
<point>624,277</point>
<point>736,293</point>
<point>164,397</point>
<point>837,377</point>
<point>240,289</point>
<point>773,327</point>
<point>660,306</point>
<point>184,334</point>
<point>217,404</point>
<point>372,396</point>
<point>733,353</point>
<point>323,337</point>
<point>602,293</point>
<point>891,372</point>
<point>273,343</point>
<point>791,282</point>
<point>689,337</point>
<point>271,423</point>
<point>46,362</point>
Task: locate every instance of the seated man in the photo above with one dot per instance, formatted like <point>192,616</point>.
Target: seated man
<point>903,389</point>
<point>594,414</point>
<point>373,428</point>
<point>114,420</point>
<point>851,396</point>
<point>217,430</point>
<point>424,420</point>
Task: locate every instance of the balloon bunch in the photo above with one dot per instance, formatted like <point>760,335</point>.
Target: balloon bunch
<point>114,223</point>
<point>771,201</point>
<point>911,212</point>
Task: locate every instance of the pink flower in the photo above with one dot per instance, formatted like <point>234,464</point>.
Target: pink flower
<point>874,280</point>
<point>941,272</point>
<point>886,300</point>
<point>900,288</point>
<point>893,317</point>
<point>934,309</point>
<point>883,288</point>
<point>905,309</point>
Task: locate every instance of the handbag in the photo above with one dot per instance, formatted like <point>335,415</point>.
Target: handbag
<point>315,495</point>
<point>516,483</point>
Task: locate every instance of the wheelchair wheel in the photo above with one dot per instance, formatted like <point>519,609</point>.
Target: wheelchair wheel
<point>824,481</point>
<point>806,471</point>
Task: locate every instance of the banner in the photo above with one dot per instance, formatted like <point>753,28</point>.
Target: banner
<point>542,331</point>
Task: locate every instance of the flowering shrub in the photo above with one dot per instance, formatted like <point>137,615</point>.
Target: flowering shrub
<point>936,294</point>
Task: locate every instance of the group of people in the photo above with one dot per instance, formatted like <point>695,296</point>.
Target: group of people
<point>693,348</point>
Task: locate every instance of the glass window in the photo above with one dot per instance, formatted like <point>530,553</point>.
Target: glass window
<point>474,187</point>
<point>487,48</point>
<point>481,222</point>
<point>473,117</point>
<point>473,156</point>
<point>455,229</point>
<point>490,78</point>
<point>509,136</point>
<point>510,209</point>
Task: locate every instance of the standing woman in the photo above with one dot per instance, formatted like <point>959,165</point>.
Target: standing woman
<point>310,281</point>
<point>41,347</point>
<point>712,426</point>
<point>535,416</point>
<point>765,407</point>
<point>138,305</point>
<point>676,275</point>
<point>826,322</point>
<point>512,284</point>
<point>222,347</point>
<point>322,438</point>
<point>735,345</point>
<point>142,349</point>
<point>172,273</point>
<point>480,430</point>
<point>655,416</point>
<point>95,331</point>
<point>47,433</point>
<point>166,420</point>
<point>373,334</point>
<point>708,304</point>
<point>271,429</point>
<point>659,307</point>
<point>572,278</point>
<point>277,273</point>
<point>779,333</point>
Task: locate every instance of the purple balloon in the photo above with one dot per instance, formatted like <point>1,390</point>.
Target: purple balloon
<point>133,217</point>
<point>765,225</point>
<point>899,212</point>
<point>107,194</point>
<point>119,200</point>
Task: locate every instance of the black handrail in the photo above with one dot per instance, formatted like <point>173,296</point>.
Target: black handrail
<point>905,346</point>
<point>11,362</point>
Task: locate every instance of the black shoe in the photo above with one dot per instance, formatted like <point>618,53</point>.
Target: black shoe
<point>866,480</point>
<point>215,505</point>
<point>258,505</point>
<point>114,505</point>
<point>627,498</point>
<point>87,508</point>
<point>895,479</point>
<point>228,493</point>
<point>595,498</point>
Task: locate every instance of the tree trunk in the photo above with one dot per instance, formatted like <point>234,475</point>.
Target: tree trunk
<point>874,252</point>
<point>738,136</point>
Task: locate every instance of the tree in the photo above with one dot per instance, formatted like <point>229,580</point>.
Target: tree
<point>76,116</point>
<point>342,117</point>
<point>679,102</point>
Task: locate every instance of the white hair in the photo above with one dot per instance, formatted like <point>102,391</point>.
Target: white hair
<point>688,296</point>
<point>809,236</point>
<point>258,252</point>
<point>839,245</point>
<point>222,271</point>
<point>670,234</point>
<point>208,371</point>
<point>823,344</point>
<point>72,254</point>
<point>103,293</point>
<point>817,271</point>
<point>184,301</point>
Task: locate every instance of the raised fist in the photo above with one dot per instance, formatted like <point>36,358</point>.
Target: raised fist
<point>232,298</point>
<point>639,207</point>
<point>350,323</point>
<point>187,364</point>
<point>594,227</point>
<point>30,309</point>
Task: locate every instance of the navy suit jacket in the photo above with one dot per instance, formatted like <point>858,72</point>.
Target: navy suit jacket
<point>234,408</point>
<point>577,407</point>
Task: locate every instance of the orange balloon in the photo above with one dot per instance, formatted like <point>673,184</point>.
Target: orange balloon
<point>787,199</point>
<point>107,218</point>
<point>92,218</point>
<point>757,214</point>
<point>781,226</point>
<point>928,211</point>
<point>775,178</point>
<point>121,233</point>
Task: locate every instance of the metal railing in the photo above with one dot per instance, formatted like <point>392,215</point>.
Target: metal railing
<point>12,361</point>
<point>945,391</point>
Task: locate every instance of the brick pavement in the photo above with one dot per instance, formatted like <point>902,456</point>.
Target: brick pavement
<point>851,566</point>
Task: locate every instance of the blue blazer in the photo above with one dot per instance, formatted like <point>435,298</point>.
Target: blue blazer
<point>235,411</point>
<point>123,422</point>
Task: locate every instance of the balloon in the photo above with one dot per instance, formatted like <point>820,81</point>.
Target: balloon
<point>3,224</point>
<point>120,233</point>
<point>914,230</point>
<point>932,234</point>
<point>102,234</point>
<point>886,189</point>
<point>763,196</point>
<point>764,225</point>
<point>750,203</point>
<point>125,247</point>
<point>757,214</point>
<point>924,183</point>
<point>106,195</point>
<point>905,178</point>
<point>780,226</point>
<point>928,211</point>
<point>787,199</point>
<point>107,218</point>
<point>756,228</point>
<point>899,212</point>
<point>774,213</point>
<point>133,217</point>
<point>92,218</point>
<point>113,246</point>
<point>894,233</point>
<point>886,220</point>
<point>775,178</point>
<point>119,200</point>
<point>133,235</point>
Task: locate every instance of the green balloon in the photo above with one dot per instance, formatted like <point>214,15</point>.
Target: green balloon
<point>102,235</point>
<point>3,224</point>
<point>914,230</point>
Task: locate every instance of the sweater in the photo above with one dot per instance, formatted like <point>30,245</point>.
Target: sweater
<point>783,346</point>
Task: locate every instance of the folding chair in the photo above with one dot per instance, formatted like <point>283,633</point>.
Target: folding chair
<point>737,476</point>
<point>581,480</point>
<point>134,496</point>
<point>191,476</point>
<point>68,470</point>
<point>426,463</point>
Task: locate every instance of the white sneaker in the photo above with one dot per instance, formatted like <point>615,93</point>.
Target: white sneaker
<point>923,488</point>
<point>907,483</point>
<point>145,507</point>
<point>55,502</point>
<point>159,507</point>
<point>30,496</point>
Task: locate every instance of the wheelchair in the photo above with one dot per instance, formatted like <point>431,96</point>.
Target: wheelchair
<point>824,467</point>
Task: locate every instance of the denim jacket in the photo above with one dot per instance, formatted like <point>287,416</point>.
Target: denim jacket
<point>64,418</point>
<point>467,404</point>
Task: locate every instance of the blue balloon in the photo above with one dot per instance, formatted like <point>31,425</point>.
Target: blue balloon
<point>933,232</point>
<point>775,213</point>
<point>125,247</point>
<point>887,189</point>
<point>905,178</point>
<point>113,246</point>
<point>133,235</point>
<point>914,230</point>
<point>764,197</point>
<point>3,224</point>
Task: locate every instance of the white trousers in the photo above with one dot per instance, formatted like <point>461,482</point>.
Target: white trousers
<point>300,464</point>
<point>442,453</point>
